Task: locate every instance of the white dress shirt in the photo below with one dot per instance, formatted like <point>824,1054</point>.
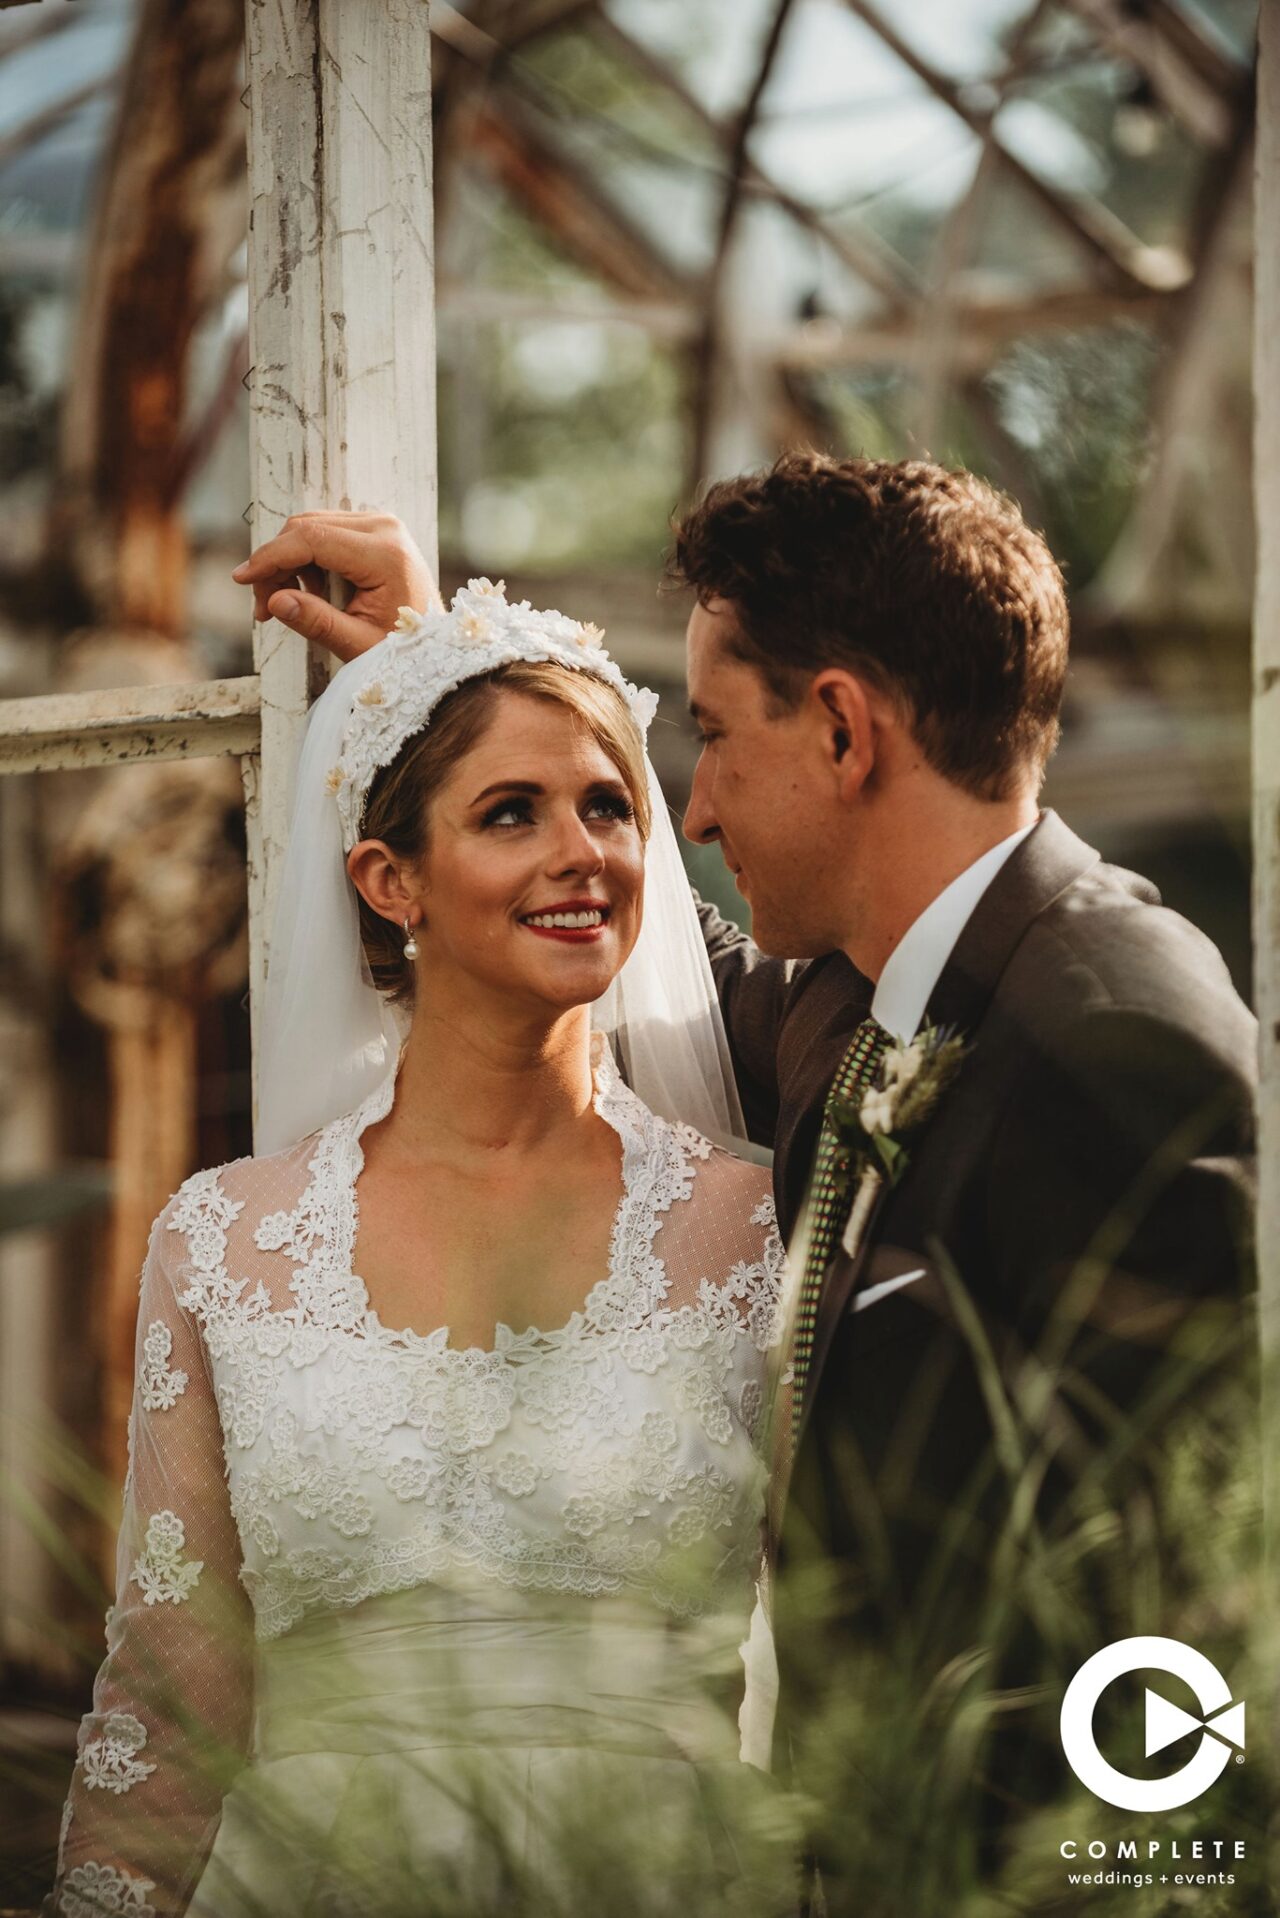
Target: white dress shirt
<point>915,965</point>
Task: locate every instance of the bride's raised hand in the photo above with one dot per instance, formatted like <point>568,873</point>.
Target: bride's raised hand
<point>373,551</point>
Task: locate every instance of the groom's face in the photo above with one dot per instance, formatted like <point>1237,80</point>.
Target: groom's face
<point>763,793</point>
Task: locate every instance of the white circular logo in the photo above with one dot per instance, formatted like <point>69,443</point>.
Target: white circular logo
<point>1221,1723</point>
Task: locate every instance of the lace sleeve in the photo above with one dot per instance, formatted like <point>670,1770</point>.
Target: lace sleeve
<point>172,1701</point>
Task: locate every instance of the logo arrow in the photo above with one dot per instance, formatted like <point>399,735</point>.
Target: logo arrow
<point>1229,1724</point>
<point>1167,1723</point>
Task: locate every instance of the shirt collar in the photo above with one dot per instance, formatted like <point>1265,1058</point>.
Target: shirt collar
<point>915,965</point>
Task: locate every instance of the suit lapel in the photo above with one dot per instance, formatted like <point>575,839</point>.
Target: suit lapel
<point>1049,859</point>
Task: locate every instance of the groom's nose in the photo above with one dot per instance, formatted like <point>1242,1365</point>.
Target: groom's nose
<point>699,822</point>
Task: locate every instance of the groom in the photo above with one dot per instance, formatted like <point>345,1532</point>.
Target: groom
<point>876,659</point>
<point>982,1359</point>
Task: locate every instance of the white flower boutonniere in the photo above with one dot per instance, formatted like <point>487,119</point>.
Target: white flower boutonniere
<point>872,1131</point>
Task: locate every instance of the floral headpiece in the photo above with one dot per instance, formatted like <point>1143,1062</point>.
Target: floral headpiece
<point>428,654</point>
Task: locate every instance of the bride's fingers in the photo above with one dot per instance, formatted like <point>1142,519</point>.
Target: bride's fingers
<point>265,589</point>
<point>373,551</point>
<point>317,620</point>
<point>309,579</point>
<point>356,555</point>
<point>372,522</point>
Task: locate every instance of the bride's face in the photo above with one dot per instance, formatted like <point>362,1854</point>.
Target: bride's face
<point>535,824</point>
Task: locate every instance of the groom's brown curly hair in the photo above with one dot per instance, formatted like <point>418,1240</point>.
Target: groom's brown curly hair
<point>927,582</point>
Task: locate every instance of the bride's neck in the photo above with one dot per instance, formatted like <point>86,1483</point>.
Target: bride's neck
<point>483,1085</point>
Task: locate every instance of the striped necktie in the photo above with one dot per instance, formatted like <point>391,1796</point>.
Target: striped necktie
<point>829,1199</point>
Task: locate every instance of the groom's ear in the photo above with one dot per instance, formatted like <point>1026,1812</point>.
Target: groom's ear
<point>844,710</point>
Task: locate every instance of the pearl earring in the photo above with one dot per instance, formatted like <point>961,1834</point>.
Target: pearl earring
<point>410,943</point>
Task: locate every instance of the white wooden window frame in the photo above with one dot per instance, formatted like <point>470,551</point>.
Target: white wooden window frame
<point>342,386</point>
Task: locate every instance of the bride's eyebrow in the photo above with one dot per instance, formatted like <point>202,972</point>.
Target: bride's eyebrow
<point>509,786</point>
<point>531,787</point>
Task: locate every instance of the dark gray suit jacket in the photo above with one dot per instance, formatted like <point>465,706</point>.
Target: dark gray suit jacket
<point>1103,1112</point>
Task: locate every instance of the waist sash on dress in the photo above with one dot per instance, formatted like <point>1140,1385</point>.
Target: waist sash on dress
<point>429,1669</point>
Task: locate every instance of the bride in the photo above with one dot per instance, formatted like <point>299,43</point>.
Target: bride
<point>443,1512</point>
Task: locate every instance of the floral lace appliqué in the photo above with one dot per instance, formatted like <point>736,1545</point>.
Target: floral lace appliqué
<point>111,1761</point>
<point>160,1571</point>
<point>160,1387</point>
<point>102,1891</point>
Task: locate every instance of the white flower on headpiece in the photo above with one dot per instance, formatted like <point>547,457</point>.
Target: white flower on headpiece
<point>334,779</point>
<point>589,634</point>
<point>486,588</point>
<point>473,626</point>
<point>407,617</point>
<point>644,704</point>
<point>371,695</point>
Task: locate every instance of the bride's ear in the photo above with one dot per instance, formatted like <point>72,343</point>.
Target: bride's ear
<point>384,882</point>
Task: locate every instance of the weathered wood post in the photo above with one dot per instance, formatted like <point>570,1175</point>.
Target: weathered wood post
<point>341,329</point>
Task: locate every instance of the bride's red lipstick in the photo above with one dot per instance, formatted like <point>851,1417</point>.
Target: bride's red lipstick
<point>572,935</point>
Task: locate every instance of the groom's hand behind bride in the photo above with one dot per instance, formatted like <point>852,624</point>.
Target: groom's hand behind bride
<point>373,551</point>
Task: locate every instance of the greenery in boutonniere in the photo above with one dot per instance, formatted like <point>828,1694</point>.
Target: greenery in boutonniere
<point>872,1130</point>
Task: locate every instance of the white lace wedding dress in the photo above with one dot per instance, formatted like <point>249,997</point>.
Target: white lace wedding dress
<point>455,1631</point>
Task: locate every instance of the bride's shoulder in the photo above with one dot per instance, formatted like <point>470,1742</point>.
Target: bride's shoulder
<point>730,1170</point>
<point>219,1196</point>
<point>726,1233</point>
<point>741,1184</point>
<point>736,1188</point>
<point>706,1163</point>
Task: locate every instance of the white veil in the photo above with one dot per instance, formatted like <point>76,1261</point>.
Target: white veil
<point>329,1037</point>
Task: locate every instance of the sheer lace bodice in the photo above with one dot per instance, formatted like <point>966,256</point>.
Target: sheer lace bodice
<point>613,1459</point>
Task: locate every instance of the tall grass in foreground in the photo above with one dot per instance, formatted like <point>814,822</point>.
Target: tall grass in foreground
<point>930,1777</point>
<point>928,1746</point>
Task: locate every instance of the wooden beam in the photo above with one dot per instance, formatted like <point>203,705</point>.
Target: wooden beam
<point>1202,54</point>
<point>936,337</point>
<point>673,320</point>
<point>711,376</point>
<point>1266,737</point>
<point>867,257</point>
<point>515,22</point>
<point>171,198</point>
<point>25,33</point>
<point>981,329</point>
<point>563,197</point>
<point>1182,398</point>
<point>1114,250</point>
<point>60,731</point>
<point>708,373</point>
<point>341,328</point>
<point>1197,100</point>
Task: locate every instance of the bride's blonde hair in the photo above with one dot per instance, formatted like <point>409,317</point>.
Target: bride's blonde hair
<point>398,806</point>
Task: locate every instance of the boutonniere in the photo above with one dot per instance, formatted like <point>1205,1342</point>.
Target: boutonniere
<point>872,1131</point>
